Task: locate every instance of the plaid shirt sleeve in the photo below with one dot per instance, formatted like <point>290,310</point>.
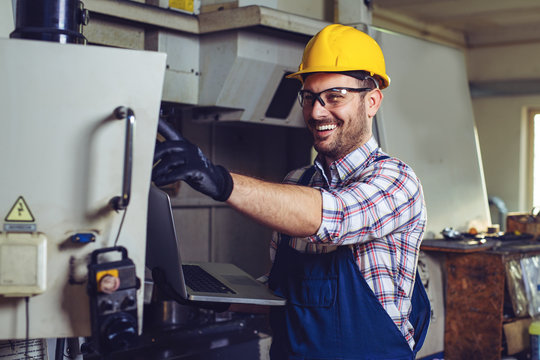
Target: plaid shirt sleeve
<point>383,198</point>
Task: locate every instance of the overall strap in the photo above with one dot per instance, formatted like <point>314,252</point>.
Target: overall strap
<point>381,157</point>
<point>306,176</point>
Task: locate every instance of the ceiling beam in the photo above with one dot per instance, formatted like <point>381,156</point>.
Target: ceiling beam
<point>393,21</point>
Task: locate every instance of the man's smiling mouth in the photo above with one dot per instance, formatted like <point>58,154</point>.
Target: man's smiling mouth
<point>326,127</point>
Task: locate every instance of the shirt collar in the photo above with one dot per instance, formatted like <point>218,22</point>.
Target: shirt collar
<point>349,163</point>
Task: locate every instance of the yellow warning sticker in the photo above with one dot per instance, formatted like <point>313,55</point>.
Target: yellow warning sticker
<point>20,212</point>
<point>186,5</point>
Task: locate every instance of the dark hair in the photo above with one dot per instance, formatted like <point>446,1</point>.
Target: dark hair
<point>360,75</point>
<point>363,75</point>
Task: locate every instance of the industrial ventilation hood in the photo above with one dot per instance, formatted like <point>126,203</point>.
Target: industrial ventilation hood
<point>234,69</point>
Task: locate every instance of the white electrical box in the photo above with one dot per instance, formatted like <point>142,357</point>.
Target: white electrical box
<point>23,264</point>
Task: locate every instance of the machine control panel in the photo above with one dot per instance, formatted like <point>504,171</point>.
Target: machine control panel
<point>112,289</point>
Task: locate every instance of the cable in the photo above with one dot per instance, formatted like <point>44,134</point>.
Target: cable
<point>120,228</point>
<point>27,336</point>
<point>27,312</point>
<point>27,330</point>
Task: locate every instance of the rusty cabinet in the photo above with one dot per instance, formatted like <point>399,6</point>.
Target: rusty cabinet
<point>474,305</point>
<point>474,301</point>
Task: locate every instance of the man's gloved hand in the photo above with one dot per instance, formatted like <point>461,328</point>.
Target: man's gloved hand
<point>181,160</point>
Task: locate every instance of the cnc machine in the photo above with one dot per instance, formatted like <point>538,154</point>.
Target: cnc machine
<point>77,133</point>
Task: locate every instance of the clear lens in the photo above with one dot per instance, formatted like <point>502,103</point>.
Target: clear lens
<point>329,98</point>
<point>306,98</point>
<point>336,97</point>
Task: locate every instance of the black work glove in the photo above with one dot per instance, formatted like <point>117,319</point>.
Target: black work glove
<point>181,160</point>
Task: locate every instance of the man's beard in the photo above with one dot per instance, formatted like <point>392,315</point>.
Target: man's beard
<point>345,139</point>
<point>343,144</point>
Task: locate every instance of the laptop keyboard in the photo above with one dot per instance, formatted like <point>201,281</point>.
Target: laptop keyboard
<point>199,280</point>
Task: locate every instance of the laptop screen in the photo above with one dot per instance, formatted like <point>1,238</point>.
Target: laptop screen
<point>162,249</point>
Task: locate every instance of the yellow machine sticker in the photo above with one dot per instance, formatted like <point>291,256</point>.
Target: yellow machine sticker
<point>20,212</point>
<point>186,5</point>
<point>100,274</point>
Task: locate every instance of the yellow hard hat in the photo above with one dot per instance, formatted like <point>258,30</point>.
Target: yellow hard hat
<point>340,48</point>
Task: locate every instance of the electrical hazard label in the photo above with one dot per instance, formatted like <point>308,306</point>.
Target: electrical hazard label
<point>20,212</point>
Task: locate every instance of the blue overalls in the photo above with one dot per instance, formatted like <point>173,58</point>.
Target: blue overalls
<point>332,313</point>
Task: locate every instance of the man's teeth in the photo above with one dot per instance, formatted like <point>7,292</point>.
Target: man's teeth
<point>326,127</point>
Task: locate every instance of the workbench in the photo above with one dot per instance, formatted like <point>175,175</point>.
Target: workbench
<point>475,295</point>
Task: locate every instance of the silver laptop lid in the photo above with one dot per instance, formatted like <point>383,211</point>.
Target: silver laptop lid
<point>162,250</point>
<point>164,259</point>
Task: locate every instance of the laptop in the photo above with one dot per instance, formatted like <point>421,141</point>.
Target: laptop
<point>195,281</point>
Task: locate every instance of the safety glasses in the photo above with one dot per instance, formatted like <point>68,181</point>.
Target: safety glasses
<point>329,98</point>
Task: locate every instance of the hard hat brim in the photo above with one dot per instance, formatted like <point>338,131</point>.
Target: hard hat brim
<point>384,80</point>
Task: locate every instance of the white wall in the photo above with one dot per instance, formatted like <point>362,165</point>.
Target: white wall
<point>316,9</point>
<point>502,131</point>
<point>427,120</point>
<point>511,62</point>
<point>502,120</point>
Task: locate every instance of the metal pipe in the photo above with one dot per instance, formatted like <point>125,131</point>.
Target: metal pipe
<point>501,208</point>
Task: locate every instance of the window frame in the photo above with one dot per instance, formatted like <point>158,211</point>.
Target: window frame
<point>532,112</point>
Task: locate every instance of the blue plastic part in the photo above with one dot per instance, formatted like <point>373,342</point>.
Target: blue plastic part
<point>83,238</point>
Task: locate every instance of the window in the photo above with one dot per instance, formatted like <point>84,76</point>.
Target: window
<point>284,98</point>
<point>535,139</point>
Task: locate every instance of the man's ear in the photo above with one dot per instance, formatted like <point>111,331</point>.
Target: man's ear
<point>373,102</point>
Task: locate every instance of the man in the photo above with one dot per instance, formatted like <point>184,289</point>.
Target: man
<point>348,229</point>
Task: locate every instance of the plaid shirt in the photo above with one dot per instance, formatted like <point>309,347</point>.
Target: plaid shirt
<point>377,208</point>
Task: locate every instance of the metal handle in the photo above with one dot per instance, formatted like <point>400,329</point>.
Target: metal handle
<point>122,112</point>
<point>97,252</point>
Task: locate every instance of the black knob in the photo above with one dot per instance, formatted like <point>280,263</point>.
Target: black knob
<point>128,302</point>
<point>106,305</point>
<point>120,332</point>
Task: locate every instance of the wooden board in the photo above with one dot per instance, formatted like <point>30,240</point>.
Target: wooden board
<point>474,306</point>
